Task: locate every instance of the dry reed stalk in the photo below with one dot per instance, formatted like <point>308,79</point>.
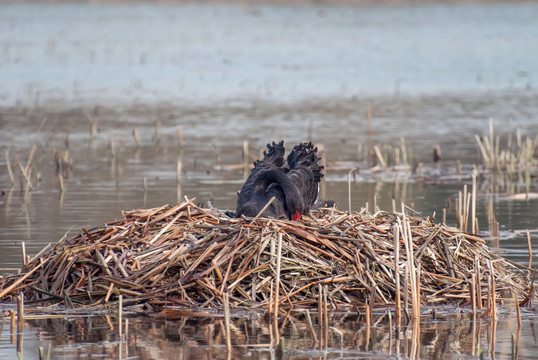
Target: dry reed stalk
<point>412,281</point>
<point>12,329</point>
<point>156,135</point>
<point>417,292</point>
<point>120,316</point>
<point>20,313</point>
<point>397,296</point>
<point>30,161</point>
<point>459,211</point>
<point>311,327</point>
<point>27,180</point>
<point>492,222</point>
<point>320,307</point>
<point>529,246</point>
<point>482,149</point>
<point>467,208</point>
<point>270,305</point>
<point>473,296</point>
<point>9,171</point>
<point>277,280</point>
<point>320,318</point>
<point>514,159</point>
<point>518,312</point>
<point>369,131</point>
<point>276,336</point>
<point>186,255</point>
<point>368,311</point>
<point>227,321</point>
<point>403,150</point>
<point>179,166</point>
<point>93,125</point>
<point>349,187</point>
<point>493,298</point>
<point>461,207</point>
<point>325,308</point>
<point>263,209</point>
<point>136,137</point>
<point>380,158</point>
<point>23,250</point>
<point>473,206</point>
<point>478,282</point>
<point>179,132</point>
<point>406,292</point>
<point>109,292</point>
<point>61,182</point>
<point>415,337</point>
<point>360,151</point>
<point>491,308</point>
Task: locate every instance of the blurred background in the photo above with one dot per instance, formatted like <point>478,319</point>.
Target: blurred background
<point>111,106</point>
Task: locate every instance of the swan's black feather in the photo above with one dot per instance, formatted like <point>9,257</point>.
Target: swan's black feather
<point>294,185</point>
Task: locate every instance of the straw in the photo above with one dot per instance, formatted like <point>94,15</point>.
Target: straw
<point>185,255</point>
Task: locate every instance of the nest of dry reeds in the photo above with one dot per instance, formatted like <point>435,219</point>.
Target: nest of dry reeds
<point>189,256</point>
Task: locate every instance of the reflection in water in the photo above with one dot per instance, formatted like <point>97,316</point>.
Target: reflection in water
<point>442,333</point>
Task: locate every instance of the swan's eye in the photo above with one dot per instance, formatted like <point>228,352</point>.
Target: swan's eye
<point>296,216</point>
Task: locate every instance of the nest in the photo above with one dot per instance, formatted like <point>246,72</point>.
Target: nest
<point>190,257</point>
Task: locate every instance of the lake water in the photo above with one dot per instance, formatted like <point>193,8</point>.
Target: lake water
<point>104,53</point>
<point>224,74</point>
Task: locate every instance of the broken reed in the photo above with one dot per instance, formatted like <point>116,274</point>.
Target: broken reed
<point>465,207</point>
<point>188,256</point>
<point>387,155</point>
<point>26,172</point>
<point>515,158</point>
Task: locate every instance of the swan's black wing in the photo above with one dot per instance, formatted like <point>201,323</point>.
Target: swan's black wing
<point>272,158</point>
<point>274,155</point>
<point>305,172</point>
<point>254,194</point>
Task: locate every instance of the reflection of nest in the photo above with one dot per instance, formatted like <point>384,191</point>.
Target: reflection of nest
<point>188,256</point>
<point>204,337</point>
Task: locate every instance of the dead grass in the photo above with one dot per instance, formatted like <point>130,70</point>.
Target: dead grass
<point>190,257</point>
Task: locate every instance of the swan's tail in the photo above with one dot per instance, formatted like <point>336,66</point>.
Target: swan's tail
<point>305,156</point>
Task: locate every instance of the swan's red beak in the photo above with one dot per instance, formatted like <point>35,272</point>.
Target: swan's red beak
<point>296,216</point>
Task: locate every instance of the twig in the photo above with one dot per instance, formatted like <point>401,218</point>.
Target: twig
<point>263,209</point>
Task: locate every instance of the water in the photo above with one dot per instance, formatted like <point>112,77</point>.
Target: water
<point>99,53</point>
<point>433,74</point>
<point>349,338</point>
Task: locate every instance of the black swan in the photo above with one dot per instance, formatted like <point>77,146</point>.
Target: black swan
<point>294,184</point>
